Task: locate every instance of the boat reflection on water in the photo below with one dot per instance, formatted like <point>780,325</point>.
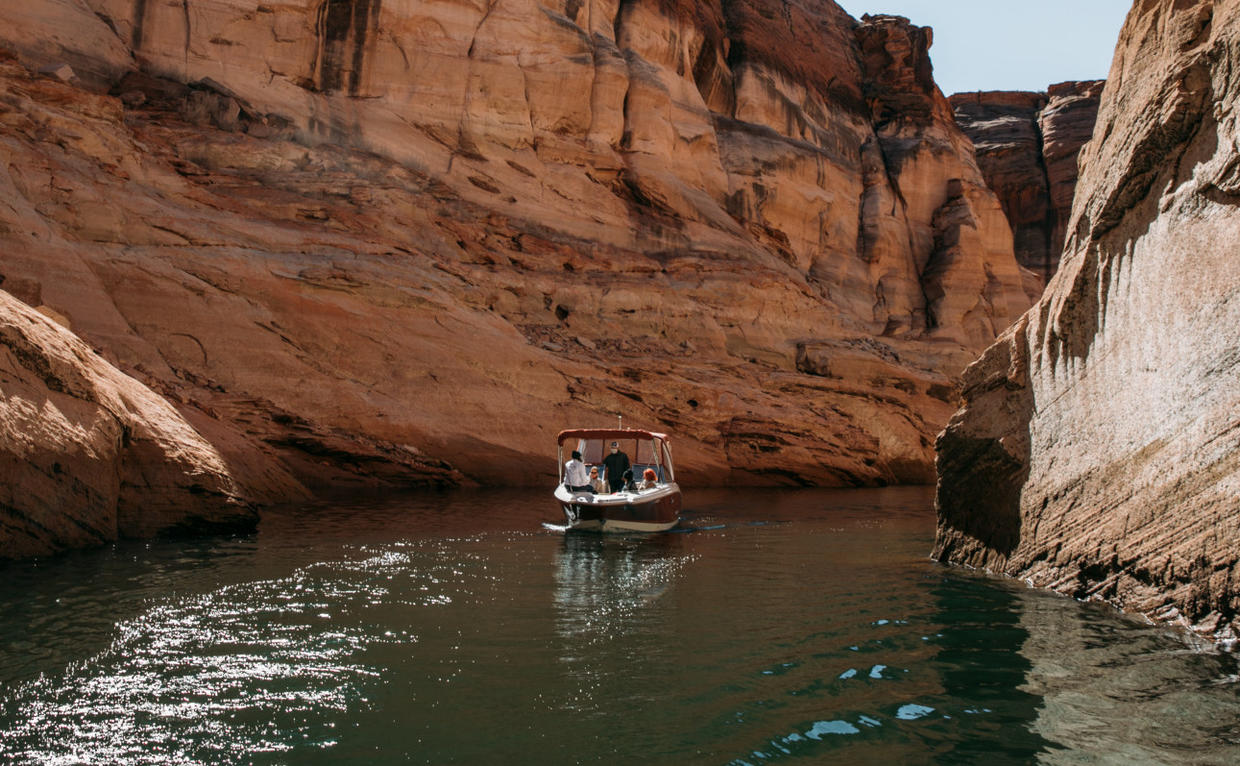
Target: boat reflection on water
<point>613,595</point>
<point>601,581</point>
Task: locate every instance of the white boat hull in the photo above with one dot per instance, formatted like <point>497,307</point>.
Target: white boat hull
<point>653,510</point>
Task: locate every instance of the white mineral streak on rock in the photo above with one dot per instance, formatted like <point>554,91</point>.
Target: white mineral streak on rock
<point>1097,452</point>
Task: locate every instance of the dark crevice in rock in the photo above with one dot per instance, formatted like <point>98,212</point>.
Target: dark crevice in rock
<point>1027,146</point>
<point>1050,223</point>
<point>1159,148</point>
<point>139,23</point>
<point>107,20</point>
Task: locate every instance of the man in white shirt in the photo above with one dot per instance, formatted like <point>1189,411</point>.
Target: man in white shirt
<point>575,476</point>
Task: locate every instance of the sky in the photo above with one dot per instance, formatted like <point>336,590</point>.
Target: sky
<point>1011,44</point>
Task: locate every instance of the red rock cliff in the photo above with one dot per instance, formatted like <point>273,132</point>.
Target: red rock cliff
<point>89,455</point>
<point>406,243</point>
<point>1027,146</point>
<point>1098,452</point>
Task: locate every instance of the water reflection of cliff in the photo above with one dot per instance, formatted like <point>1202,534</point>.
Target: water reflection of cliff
<point>1114,690</point>
<point>982,669</point>
<point>1067,683</point>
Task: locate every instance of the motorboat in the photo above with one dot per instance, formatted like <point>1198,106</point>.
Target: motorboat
<point>628,510</point>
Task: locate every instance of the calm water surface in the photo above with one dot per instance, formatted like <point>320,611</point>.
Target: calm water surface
<point>776,627</point>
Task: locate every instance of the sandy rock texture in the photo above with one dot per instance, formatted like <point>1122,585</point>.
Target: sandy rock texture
<point>1097,451</point>
<point>1027,146</point>
<point>403,244</point>
<point>89,455</point>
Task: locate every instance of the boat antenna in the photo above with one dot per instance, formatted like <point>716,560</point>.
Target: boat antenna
<point>620,422</point>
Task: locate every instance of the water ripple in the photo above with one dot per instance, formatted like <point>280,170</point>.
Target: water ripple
<point>444,630</point>
<point>235,670</point>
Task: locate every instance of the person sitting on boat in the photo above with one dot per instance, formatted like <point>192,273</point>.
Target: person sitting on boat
<point>650,479</point>
<point>616,464</point>
<point>626,483</point>
<point>596,481</point>
<point>575,477</point>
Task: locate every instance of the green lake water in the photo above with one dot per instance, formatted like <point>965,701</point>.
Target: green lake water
<point>774,627</point>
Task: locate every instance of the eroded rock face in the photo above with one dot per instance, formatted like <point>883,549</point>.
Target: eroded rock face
<point>89,455</point>
<point>1067,124</point>
<point>1027,146</point>
<point>404,244</point>
<point>1097,452</point>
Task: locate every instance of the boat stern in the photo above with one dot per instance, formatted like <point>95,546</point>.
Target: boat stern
<point>647,511</point>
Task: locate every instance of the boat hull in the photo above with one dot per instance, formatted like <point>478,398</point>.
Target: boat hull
<point>655,510</point>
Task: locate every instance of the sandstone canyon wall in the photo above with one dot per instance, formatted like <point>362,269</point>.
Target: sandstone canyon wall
<point>88,454</point>
<point>402,244</point>
<point>1027,146</point>
<point>1098,451</point>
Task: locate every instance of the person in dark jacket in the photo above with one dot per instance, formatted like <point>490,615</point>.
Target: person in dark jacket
<point>616,463</point>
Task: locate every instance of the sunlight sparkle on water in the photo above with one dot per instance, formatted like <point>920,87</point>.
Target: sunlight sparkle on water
<point>789,626</point>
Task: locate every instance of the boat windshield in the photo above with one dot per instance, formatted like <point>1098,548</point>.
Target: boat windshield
<point>594,450</point>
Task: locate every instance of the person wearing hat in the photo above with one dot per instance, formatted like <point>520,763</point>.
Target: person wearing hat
<point>616,464</point>
<point>575,477</point>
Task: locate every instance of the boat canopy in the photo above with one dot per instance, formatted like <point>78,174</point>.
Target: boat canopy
<point>615,434</point>
<point>646,449</point>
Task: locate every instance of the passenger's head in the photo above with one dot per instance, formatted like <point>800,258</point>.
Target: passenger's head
<point>615,447</point>
<point>576,455</point>
<point>628,475</point>
<point>593,473</point>
<point>650,475</point>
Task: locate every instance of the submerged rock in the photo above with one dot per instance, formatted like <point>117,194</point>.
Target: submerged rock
<point>1098,450</point>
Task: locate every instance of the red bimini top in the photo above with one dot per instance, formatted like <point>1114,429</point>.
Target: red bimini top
<point>609,433</point>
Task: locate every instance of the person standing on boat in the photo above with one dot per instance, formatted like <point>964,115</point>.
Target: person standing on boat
<point>575,476</point>
<point>616,464</point>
